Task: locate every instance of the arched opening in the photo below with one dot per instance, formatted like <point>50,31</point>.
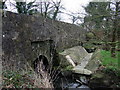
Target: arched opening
<point>41,64</point>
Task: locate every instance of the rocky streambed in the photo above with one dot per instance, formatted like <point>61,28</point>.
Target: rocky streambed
<point>99,79</point>
<point>85,71</point>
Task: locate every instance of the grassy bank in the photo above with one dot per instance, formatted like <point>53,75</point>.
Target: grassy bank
<point>109,62</point>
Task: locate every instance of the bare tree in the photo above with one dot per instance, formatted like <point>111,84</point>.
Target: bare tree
<point>50,9</point>
<point>57,6</point>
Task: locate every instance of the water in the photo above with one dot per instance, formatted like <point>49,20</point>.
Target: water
<point>72,82</point>
<point>84,86</point>
<point>76,85</point>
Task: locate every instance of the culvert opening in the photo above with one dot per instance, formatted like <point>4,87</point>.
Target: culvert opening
<point>41,64</point>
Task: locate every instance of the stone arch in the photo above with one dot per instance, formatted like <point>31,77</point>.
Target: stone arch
<point>41,63</point>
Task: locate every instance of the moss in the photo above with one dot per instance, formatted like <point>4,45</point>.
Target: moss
<point>90,35</point>
<point>67,68</point>
<point>98,75</point>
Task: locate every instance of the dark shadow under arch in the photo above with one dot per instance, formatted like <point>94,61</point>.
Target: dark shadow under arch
<point>41,61</point>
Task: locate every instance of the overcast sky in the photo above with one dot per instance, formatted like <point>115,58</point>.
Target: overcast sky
<point>72,6</point>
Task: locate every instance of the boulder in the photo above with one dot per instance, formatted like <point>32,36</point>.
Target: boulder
<point>81,61</point>
<point>100,79</point>
<point>75,54</point>
<point>94,62</point>
<point>82,71</point>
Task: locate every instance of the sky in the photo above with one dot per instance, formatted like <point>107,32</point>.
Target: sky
<point>74,6</point>
<point>71,6</point>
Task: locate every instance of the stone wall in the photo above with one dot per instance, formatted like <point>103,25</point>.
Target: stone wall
<point>21,31</point>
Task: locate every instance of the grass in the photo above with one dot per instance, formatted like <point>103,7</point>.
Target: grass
<point>109,62</point>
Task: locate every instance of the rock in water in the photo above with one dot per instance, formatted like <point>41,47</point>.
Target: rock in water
<point>82,71</point>
<point>87,63</point>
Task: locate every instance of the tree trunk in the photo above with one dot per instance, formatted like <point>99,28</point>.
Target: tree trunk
<point>114,34</point>
<point>118,35</point>
<point>113,45</point>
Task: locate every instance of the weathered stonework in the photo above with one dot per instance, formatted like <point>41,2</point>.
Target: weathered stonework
<point>27,37</point>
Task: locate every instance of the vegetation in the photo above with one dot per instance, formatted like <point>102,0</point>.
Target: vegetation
<point>48,9</point>
<point>102,23</point>
<point>107,60</point>
<point>110,63</point>
<point>14,79</point>
<point>103,17</point>
<point>67,68</point>
<point>26,8</point>
<point>25,79</point>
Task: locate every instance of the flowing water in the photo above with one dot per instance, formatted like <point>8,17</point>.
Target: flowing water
<point>73,81</point>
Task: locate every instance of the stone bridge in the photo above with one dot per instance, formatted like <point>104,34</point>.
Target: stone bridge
<point>26,38</point>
